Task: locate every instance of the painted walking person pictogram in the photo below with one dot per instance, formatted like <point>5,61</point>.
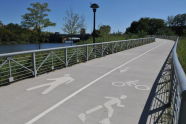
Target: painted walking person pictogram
<point>66,79</point>
<point>109,105</point>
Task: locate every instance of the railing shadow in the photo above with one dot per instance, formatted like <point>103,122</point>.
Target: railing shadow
<point>157,109</point>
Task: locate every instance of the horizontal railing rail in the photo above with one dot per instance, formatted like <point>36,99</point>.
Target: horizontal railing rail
<point>21,65</point>
<point>179,93</point>
<point>75,46</point>
<point>174,38</point>
<point>166,103</point>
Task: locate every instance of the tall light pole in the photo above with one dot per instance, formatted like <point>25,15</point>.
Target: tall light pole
<point>94,6</point>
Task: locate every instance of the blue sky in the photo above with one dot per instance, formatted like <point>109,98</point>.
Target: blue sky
<point>117,13</point>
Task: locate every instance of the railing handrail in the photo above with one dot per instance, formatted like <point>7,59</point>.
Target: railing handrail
<point>174,38</point>
<point>179,70</point>
<point>66,47</point>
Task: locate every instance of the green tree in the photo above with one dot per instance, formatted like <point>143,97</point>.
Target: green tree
<point>36,18</point>
<point>177,23</point>
<point>83,34</point>
<point>73,22</point>
<point>155,25</point>
<point>82,31</point>
<point>179,20</point>
<point>132,28</point>
<point>146,26</point>
<point>165,31</point>
<point>143,26</point>
<point>104,29</point>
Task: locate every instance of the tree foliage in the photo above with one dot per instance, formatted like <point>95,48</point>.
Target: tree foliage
<point>151,26</point>
<point>147,26</point>
<point>104,29</point>
<point>178,20</point>
<point>36,18</point>
<point>73,22</point>
<point>177,24</point>
<point>16,34</point>
<point>82,31</point>
<point>165,31</point>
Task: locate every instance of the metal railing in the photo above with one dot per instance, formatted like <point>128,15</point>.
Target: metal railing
<point>179,90</point>
<point>174,38</point>
<point>21,65</point>
<point>166,103</point>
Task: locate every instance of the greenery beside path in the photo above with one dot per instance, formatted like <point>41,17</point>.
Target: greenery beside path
<point>181,50</point>
<point>111,37</point>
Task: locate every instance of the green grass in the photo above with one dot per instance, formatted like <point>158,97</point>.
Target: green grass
<point>181,50</point>
<point>108,38</point>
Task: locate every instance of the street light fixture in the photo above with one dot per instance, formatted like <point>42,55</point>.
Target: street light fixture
<point>94,6</point>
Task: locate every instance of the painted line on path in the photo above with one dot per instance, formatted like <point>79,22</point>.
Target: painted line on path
<point>86,86</point>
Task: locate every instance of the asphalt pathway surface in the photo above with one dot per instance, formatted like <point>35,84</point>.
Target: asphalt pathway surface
<point>108,90</point>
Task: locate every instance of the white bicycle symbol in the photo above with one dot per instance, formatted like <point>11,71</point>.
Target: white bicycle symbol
<point>130,84</point>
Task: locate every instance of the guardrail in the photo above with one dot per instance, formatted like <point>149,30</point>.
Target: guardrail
<point>174,38</point>
<point>179,87</point>
<point>21,65</point>
<point>167,100</point>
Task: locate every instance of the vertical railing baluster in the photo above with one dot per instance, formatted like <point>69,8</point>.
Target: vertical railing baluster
<point>52,60</point>
<point>102,49</point>
<point>11,79</point>
<point>121,45</point>
<point>112,48</point>
<point>34,64</point>
<point>66,57</point>
<point>77,59</point>
<point>87,53</point>
<point>94,51</point>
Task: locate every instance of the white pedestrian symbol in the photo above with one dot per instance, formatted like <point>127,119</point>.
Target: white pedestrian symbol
<point>66,79</point>
<point>107,105</point>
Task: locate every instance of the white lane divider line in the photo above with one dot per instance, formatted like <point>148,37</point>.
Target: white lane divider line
<point>86,86</point>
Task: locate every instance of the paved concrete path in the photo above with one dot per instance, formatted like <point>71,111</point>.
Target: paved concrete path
<point>108,90</point>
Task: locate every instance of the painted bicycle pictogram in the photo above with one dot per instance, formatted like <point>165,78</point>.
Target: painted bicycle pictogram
<point>131,84</point>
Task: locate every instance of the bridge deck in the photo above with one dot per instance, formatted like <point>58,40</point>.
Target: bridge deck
<point>108,90</point>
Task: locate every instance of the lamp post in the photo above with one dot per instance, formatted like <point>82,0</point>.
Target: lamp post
<point>94,6</point>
